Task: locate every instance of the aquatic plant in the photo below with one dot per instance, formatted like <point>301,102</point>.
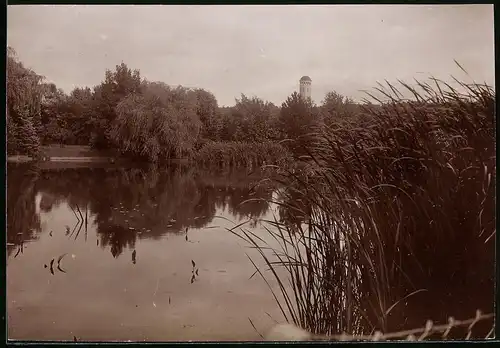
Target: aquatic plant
<point>249,154</point>
<point>398,209</point>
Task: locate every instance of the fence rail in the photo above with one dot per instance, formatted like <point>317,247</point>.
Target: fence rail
<point>418,334</point>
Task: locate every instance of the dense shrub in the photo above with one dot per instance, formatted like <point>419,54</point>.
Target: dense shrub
<point>241,154</point>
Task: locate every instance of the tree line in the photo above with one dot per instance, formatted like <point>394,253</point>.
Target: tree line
<point>152,121</point>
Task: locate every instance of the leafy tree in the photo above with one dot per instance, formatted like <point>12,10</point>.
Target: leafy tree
<point>208,113</point>
<point>116,86</point>
<point>54,102</point>
<point>228,124</point>
<point>251,119</point>
<point>298,119</point>
<point>157,123</point>
<point>78,116</point>
<point>255,118</point>
<point>336,107</point>
<point>24,95</point>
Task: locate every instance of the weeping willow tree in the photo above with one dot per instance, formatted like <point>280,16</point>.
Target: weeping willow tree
<point>158,123</point>
<point>24,95</point>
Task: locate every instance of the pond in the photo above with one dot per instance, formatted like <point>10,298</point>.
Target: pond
<point>125,253</point>
<point>153,262</point>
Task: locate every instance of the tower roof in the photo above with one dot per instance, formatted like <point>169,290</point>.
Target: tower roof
<point>305,78</point>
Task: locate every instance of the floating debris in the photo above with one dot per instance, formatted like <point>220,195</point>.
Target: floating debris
<point>134,253</point>
<point>193,263</point>
<point>186,237</point>
<point>50,233</point>
<point>192,279</point>
<point>196,272</point>
<point>169,300</point>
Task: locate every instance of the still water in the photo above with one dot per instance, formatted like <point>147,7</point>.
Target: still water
<point>138,254</point>
<point>153,262</point>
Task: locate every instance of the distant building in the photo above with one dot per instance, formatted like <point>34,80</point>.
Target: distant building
<point>305,87</point>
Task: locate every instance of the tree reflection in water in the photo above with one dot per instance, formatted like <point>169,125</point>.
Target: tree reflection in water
<point>130,203</point>
<point>23,223</point>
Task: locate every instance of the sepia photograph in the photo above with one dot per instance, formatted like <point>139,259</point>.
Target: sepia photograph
<point>190,173</point>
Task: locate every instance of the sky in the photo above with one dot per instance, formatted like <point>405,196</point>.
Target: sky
<point>256,50</point>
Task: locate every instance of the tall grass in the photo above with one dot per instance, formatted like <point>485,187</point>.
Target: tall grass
<point>249,154</point>
<point>398,208</point>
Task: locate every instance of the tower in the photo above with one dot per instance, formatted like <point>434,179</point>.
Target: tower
<point>305,87</point>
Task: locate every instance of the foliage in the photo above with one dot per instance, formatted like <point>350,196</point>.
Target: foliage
<point>298,119</point>
<point>241,154</point>
<point>208,113</point>
<point>250,120</point>
<point>337,108</point>
<point>23,107</point>
<point>80,103</point>
<point>157,123</point>
<point>116,86</point>
<point>53,115</point>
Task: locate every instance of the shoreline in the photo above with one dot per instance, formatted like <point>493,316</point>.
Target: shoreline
<point>24,159</point>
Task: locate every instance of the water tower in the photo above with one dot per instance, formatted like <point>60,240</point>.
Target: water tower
<point>305,87</point>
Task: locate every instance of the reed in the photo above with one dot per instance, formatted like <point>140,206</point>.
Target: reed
<point>397,205</point>
<point>246,154</point>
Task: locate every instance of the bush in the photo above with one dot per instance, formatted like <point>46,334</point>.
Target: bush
<point>241,154</point>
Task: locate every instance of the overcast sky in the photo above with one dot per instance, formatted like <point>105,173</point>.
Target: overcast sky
<point>256,50</point>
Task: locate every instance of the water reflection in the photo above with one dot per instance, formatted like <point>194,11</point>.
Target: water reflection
<point>130,203</point>
<point>23,223</point>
